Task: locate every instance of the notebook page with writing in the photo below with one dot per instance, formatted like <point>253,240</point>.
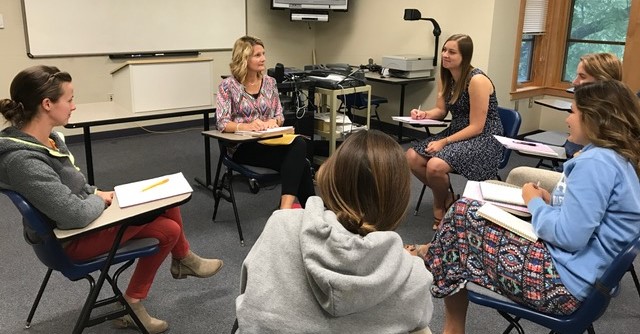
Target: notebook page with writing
<point>502,193</point>
<point>508,221</point>
<point>152,189</point>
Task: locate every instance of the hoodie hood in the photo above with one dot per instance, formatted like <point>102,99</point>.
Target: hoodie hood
<point>349,273</point>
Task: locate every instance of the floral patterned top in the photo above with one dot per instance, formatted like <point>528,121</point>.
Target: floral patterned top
<point>234,104</point>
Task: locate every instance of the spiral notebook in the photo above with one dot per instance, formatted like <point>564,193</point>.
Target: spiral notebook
<point>502,193</point>
<point>510,222</point>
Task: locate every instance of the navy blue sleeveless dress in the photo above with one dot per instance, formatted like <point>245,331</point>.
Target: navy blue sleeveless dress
<point>475,158</point>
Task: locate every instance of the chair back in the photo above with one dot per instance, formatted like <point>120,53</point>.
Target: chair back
<point>511,121</point>
<point>39,234</point>
<point>606,286</point>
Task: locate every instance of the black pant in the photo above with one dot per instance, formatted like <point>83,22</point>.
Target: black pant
<point>290,160</point>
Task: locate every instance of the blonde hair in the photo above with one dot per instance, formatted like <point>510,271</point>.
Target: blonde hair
<point>465,47</point>
<point>602,66</point>
<point>242,51</point>
<point>366,183</point>
<point>611,117</point>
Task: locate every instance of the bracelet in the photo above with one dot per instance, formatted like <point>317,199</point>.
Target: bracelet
<point>446,139</point>
<point>237,126</point>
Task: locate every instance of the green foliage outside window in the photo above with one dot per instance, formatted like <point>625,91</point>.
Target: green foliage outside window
<point>596,26</point>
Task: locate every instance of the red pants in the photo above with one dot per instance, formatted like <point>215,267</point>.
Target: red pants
<point>167,228</point>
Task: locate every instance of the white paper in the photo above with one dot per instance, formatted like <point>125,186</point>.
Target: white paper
<point>143,191</point>
<point>408,119</point>
<point>526,146</point>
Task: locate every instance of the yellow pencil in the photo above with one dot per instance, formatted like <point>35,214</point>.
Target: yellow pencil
<point>163,181</point>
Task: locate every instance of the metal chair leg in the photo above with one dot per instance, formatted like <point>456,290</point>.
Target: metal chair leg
<point>424,187</point>
<point>235,210</point>
<point>632,270</point>
<point>38,297</point>
<point>415,212</point>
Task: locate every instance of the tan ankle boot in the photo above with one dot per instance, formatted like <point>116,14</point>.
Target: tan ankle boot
<point>193,265</point>
<point>153,325</point>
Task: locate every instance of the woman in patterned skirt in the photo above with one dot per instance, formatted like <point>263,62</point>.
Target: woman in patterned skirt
<point>582,225</point>
<point>467,146</point>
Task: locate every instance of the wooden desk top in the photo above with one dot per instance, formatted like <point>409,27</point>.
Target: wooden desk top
<point>393,80</point>
<point>104,113</point>
<point>114,215</point>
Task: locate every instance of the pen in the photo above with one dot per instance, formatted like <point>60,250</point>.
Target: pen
<point>420,107</point>
<point>524,143</point>
<point>537,185</point>
<point>163,181</point>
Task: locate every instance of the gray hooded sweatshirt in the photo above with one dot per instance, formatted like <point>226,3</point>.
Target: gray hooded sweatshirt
<point>308,274</point>
<point>48,179</point>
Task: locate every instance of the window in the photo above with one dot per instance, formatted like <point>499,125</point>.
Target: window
<point>596,26</point>
<point>526,56</point>
<point>545,63</point>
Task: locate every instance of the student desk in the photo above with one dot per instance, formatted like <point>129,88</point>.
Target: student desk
<point>110,217</point>
<point>403,84</point>
<point>556,104</point>
<point>106,113</point>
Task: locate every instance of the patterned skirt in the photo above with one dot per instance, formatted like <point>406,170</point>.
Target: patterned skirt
<point>468,248</point>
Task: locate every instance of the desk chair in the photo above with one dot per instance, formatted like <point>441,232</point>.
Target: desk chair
<point>359,101</point>
<point>223,188</point>
<point>511,121</point>
<point>606,287</point>
<point>38,233</point>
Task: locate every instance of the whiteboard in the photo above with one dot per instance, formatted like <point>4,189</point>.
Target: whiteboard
<point>104,27</point>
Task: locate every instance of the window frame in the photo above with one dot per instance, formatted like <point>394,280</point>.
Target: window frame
<point>550,48</point>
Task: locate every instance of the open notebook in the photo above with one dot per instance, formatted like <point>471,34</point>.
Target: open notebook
<point>502,193</point>
<point>268,132</point>
<point>472,191</point>
<point>510,222</point>
<point>152,189</point>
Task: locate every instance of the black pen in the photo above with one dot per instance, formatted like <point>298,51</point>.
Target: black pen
<point>524,143</point>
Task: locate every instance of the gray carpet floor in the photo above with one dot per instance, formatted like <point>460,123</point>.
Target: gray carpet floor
<point>207,305</point>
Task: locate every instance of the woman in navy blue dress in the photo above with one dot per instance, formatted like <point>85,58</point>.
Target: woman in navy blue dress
<point>467,146</point>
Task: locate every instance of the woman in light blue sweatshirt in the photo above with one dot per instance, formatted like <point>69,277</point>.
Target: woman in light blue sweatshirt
<point>591,214</point>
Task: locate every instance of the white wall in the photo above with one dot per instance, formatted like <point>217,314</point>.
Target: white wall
<point>290,43</point>
<point>370,29</point>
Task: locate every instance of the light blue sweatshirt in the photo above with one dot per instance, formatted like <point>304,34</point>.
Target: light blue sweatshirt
<point>594,213</point>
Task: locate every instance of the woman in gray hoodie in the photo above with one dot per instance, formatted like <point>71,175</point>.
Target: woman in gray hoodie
<point>341,269</point>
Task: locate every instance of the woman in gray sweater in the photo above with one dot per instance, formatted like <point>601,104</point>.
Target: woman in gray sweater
<point>341,269</point>
<point>35,162</point>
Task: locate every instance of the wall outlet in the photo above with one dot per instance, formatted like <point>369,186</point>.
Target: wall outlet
<point>110,96</point>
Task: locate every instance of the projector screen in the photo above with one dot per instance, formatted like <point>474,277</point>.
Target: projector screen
<point>111,27</point>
